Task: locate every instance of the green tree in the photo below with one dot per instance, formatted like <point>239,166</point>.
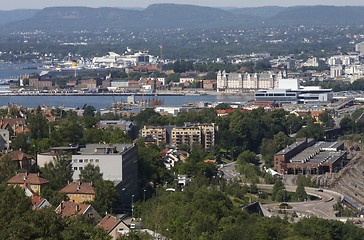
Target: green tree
<point>106,197</point>
<point>301,193</point>
<point>59,172</point>
<point>38,125</point>
<point>89,111</point>
<point>222,106</point>
<point>21,141</point>
<point>268,150</point>
<point>13,204</point>
<point>281,140</point>
<point>70,132</point>
<point>174,78</point>
<point>248,157</point>
<point>142,117</point>
<point>7,168</point>
<point>312,130</point>
<point>347,124</point>
<point>90,173</point>
<point>327,119</point>
<point>277,187</point>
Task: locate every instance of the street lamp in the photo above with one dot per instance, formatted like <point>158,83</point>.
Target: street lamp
<point>144,194</point>
<point>132,205</point>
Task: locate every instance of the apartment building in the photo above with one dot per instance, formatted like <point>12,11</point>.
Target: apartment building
<point>186,135</point>
<point>203,134</point>
<point>159,134</point>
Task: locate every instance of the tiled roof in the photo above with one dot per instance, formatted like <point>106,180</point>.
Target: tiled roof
<point>108,223</point>
<point>37,201</point>
<point>28,178</point>
<point>80,188</point>
<point>68,209</point>
<point>12,122</point>
<point>18,155</point>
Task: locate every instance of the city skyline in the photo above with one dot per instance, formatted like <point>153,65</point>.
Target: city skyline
<point>38,4</point>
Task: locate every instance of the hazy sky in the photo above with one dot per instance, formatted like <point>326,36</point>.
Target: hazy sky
<point>36,4</point>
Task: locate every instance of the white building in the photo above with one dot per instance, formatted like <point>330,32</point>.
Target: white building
<point>290,91</point>
<point>4,140</point>
<point>288,83</point>
<point>170,110</point>
<point>343,60</point>
<point>336,71</point>
<point>360,48</point>
<point>117,162</point>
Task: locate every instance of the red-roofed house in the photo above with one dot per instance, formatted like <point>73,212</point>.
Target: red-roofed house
<point>39,202</point>
<point>69,209</point>
<point>21,159</point>
<point>211,161</point>
<point>32,180</point>
<point>17,125</point>
<point>113,226</point>
<point>79,192</point>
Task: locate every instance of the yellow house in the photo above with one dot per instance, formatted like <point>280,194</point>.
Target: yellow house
<point>30,180</point>
<point>79,192</point>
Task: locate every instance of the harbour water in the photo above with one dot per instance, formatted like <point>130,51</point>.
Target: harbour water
<point>13,71</point>
<point>102,102</point>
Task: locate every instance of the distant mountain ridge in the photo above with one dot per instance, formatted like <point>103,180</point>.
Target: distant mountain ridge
<point>174,16</point>
<point>16,15</point>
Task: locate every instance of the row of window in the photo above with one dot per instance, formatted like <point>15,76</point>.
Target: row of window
<point>78,195</point>
<point>85,161</point>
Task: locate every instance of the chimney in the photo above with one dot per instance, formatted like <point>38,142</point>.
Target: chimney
<point>61,207</point>
<point>77,208</point>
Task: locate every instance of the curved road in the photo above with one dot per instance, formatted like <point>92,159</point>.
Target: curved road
<point>323,207</point>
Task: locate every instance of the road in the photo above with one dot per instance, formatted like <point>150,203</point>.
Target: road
<point>323,207</point>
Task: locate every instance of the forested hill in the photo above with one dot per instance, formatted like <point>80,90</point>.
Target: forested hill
<point>175,16</point>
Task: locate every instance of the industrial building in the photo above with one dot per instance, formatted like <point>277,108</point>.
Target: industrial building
<point>308,157</point>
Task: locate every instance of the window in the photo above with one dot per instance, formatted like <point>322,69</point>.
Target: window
<point>81,168</point>
<point>86,161</point>
<point>97,160</point>
<point>80,161</point>
<point>75,168</point>
<point>75,160</point>
<point>91,160</point>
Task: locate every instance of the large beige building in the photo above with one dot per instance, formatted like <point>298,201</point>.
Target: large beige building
<point>157,133</point>
<point>203,134</point>
<point>239,82</point>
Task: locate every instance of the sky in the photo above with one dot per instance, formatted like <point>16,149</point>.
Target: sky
<point>38,4</point>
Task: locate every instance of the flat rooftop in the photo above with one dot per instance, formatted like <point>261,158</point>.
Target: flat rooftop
<point>328,145</point>
<point>290,147</point>
<point>98,149</point>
